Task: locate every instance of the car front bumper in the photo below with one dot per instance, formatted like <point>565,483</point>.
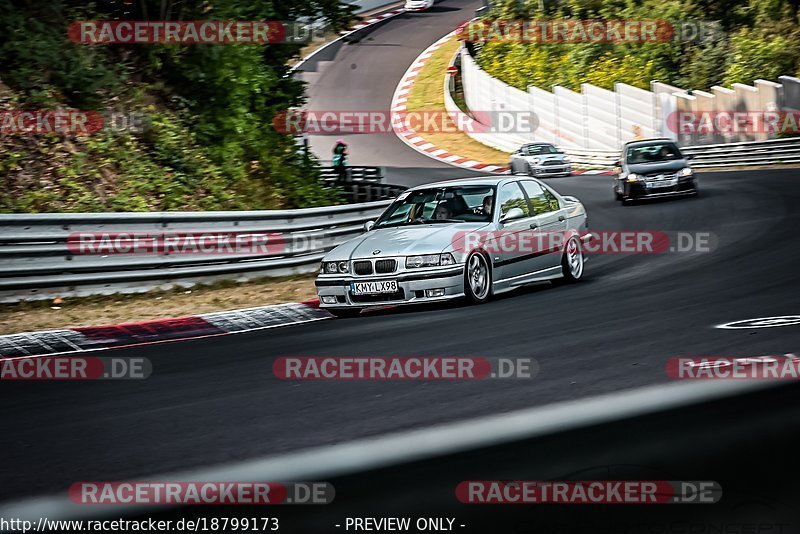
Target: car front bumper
<point>411,288</point>
<point>551,170</point>
<point>683,187</point>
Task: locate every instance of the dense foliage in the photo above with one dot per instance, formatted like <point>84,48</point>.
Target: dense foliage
<point>209,143</point>
<point>758,39</point>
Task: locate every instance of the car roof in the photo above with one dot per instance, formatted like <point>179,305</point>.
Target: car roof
<point>489,180</point>
<point>645,142</point>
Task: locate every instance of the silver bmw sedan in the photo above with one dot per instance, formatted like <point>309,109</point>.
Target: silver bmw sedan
<point>470,238</point>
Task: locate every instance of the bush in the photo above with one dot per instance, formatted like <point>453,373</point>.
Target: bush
<point>210,144</point>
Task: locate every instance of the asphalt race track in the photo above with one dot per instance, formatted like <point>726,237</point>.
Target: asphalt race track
<point>363,76</point>
<point>215,400</point>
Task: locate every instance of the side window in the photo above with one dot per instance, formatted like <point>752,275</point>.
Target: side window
<point>552,200</point>
<point>540,200</point>
<point>511,196</point>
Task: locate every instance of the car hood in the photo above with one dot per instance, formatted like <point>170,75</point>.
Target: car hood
<point>661,166</point>
<point>403,241</point>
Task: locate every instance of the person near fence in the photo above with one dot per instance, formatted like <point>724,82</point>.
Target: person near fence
<point>340,160</point>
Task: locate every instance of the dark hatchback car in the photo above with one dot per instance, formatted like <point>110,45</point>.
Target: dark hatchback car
<point>653,168</point>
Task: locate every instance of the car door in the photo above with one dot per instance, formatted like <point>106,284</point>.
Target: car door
<point>509,255</point>
<point>551,222</point>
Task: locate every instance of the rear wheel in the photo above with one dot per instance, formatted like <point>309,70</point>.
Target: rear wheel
<point>343,313</point>
<point>477,278</point>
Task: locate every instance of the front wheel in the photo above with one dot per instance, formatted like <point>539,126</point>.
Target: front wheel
<point>343,313</point>
<point>477,279</point>
<point>572,261</point>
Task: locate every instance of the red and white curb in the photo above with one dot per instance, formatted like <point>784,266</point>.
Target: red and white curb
<point>410,137</point>
<point>91,338</point>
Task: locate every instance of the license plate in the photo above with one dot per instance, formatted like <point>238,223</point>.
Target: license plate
<point>663,183</point>
<point>374,288</point>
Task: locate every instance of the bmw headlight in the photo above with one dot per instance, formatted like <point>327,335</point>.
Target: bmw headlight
<point>686,171</point>
<point>567,160</point>
<point>535,161</point>
<point>633,177</point>
<point>430,260</point>
<point>334,267</point>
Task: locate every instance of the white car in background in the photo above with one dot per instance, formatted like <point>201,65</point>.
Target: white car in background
<point>418,5</point>
<point>540,160</point>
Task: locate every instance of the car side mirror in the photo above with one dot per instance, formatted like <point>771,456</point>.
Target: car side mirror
<point>688,156</point>
<point>618,163</point>
<point>512,215</point>
<point>368,225</point>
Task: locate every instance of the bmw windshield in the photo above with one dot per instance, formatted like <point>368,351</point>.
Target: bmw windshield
<point>440,205</point>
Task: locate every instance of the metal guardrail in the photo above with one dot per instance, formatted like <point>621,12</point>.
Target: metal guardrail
<point>39,263</point>
<point>771,152</point>
<point>362,184</point>
<point>751,153</point>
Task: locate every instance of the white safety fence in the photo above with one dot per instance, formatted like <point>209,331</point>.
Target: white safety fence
<point>594,124</point>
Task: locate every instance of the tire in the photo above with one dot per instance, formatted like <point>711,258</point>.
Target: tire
<point>572,265</point>
<point>617,195</point>
<point>477,279</point>
<point>343,313</point>
<point>528,170</point>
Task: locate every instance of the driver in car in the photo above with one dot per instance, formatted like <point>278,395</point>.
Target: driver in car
<point>486,207</point>
<point>442,212</point>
